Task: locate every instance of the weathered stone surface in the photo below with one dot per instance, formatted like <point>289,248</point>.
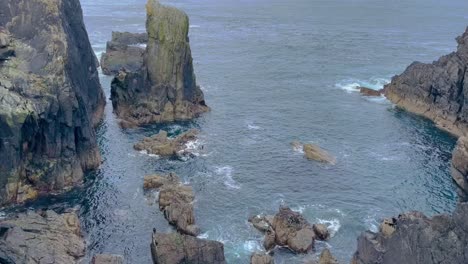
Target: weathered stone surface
<point>437,91</point>
<point>261,222</point>
<point>41,238</point>
<point>314,152</point>
<point>369,92</point>
<point>107,259</point>
<point>176,248</point>
<point>165,89</point>
<point>321,231</point>
<point>460,163</point>
<point>124,51</point>
<point>176,201</point>
<point>261,258</point>
<point>417,239</point>
<point>327,258</point>
<point>163,146</point>
<point>51,99</point>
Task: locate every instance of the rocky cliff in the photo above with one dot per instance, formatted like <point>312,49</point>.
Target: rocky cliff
<point>50,98</point>
<point>413,238</point>
<point>438,91</point>
<point>460,163</point>
<point>165,89</point>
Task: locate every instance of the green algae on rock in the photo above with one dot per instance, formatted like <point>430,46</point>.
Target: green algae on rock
<point>165,89</point>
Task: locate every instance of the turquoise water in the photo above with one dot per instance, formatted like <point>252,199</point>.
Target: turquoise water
<point>274,72</point>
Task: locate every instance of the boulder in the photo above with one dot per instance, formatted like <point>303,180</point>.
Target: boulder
<point>460,163</point>
<point>51,99</point>
<point>261,258</point>
<point>161,145</point>
<point>107,259</point>
<point>314,152</point>
<point>269,242</point>
<point>44,237</point>
<point>164,89</point>
<point>177,248</point>
<point>327,258</point>
<point>417,239</point>
<point>124,52</point>
<point>261,222</point>
<point>369,92</point>
<point>437,90</point>
<point>321,231</point>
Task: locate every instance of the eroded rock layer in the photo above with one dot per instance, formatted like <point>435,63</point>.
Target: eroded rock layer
<point>50,98</point>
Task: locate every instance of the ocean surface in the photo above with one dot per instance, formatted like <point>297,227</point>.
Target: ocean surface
<point>274,72</point>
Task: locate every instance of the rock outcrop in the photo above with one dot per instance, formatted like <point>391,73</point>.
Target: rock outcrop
<point>163,146</point>
<point>416,239</point>
<point>44,237</point>
<point>124,52</point>
<point>165,89</point>
<point>314,152</point>
<point>176,248</point>
<point>369,92</point>
<point>326,257</point>
<point>289,229</point>
<point>107,259</point>
<point>460,163</point>
<point>261,258</point>
<point>438,91</point>
<point>176,201</point>
<point>50,98</point>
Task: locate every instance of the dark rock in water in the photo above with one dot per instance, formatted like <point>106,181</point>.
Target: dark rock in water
<point>438,91</point>
<point>107,259</point>
<point>327,258</point>
<point>163,146</point>
<point>176,201</point>
<point>124,51</point>
<point>369,92</point>
<point>460,163</point>
<point>261,222</point>
<point>261,258</point>
<point>41,238</point>
<point>417,239</point>
<point>165,89</point>
<point>51,98</point>
<point>321,231</point>
<point>176,248</point>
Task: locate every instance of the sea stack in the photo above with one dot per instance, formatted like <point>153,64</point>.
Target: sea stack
<point>50,98</point>
<point>438,91</point>
<point>164,89</point>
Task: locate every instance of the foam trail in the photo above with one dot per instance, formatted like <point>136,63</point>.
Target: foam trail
<point>226,172</point>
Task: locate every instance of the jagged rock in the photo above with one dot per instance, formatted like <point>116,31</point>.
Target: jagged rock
<point>387,228</point>
<point>418,239</point>
<point>460,163</point>
<point>176,248</point>
<point>313,152</point>
<point>41,238</point>
<point>261,258</point>
<point>321,231</point>
<point>124,51</point>
<point>327,258</point>
<point>107,259</point>
<point>176,201</point>
<point>165,89</point>
<point>438,91</point>
<point>369,92</point>
<point>161,145</point>
<point>261,222</point>
<point>51,99</point>
<point>269,242</point>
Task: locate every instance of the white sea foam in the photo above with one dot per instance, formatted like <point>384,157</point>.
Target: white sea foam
<point>299,209</point>
<point>299,148</point>
<point>203,235</point>
<point>226,172</point>
<point>194,26</point>
<point>371,223</point>
<point>252,246</point>
<point>253,127</point>
<point>352,85</point>
<point>332,224</point>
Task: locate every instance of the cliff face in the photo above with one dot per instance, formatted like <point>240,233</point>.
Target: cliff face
<point>165,89</point>
<point>460,163</point>
<point>438,91</point>
<point>414,238</point>
<point>50,98</point>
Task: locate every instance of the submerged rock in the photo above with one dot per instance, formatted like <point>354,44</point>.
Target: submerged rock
<point>417,239</point>
<point>437,91</point>
<point>460,163</point>
<point>327,258</point>
<point>162,145</point>
<point>51,98</point>
<point>165,88</point>
<point>124,51</point>
<point>261,258</point>
<point>176,201</point>
<point>369,92</point>
<point>45,237</point>
<point>314,152</point>
<point>107,259</point>
<point>176,248</point>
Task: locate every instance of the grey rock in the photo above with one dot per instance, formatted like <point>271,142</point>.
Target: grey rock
<point>165,88</point>
<point>438,91</point>
<point>176,248</point>
<point>460,163</point>
<point>41,238</point>
<point>369,92</point>
<point>314,152</point>
<point>327,258</point>
<point>161,145</point>
<point>107,259</point>
<point>50,101</point>
<point>261,258</point>
<point>321,231</point>
<point>418,239</point>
